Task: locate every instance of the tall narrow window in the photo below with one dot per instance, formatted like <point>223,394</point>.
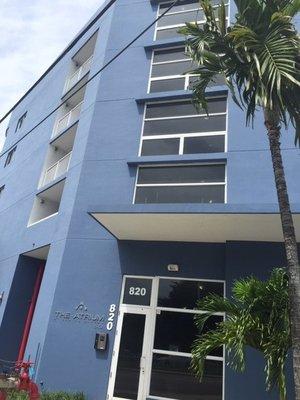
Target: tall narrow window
<point>10,156</point>
<point>1,190</point>
<point>21,121</point>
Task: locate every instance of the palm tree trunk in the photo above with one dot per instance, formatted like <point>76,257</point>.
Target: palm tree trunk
<point>272,124</point>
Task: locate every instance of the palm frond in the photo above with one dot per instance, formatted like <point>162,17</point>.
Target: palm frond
<point>257,315</point>
<point>258,56</point>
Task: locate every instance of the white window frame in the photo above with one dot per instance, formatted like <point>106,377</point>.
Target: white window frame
<point>151,320</point>
<point>161,28</point>
<point>182,136</point>
<point>224,183</point>
<point>186,77</point>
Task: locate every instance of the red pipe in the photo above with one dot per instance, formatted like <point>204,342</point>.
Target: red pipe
<point>29,317</point>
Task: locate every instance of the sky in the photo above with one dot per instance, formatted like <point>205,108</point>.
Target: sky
<point>32,34</point>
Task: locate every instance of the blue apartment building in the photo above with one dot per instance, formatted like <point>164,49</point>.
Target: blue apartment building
<point>124,207</point>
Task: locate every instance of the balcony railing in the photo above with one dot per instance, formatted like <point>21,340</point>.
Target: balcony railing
<point>78,74</point>
<point>57,169</point>
<point>67,120</point>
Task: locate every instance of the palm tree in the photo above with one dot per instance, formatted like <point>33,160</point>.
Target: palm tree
<point>257,316</point>
<point>258,56</point>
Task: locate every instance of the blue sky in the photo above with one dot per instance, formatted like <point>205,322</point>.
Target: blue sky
<point>32,34</point>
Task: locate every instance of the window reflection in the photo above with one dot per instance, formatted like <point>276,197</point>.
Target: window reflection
<point>176,293</point>
<point>177,331</point>
<point>172,378</point>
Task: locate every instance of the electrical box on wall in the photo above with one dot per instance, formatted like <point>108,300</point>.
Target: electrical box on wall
<point>100,341</point>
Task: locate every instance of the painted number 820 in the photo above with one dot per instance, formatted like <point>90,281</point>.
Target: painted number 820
<point>137,291</point>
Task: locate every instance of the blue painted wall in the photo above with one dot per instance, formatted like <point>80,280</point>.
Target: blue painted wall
<point>85,263</point>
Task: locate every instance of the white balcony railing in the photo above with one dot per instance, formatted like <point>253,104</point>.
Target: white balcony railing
<point>78,74</point>
<point>57,169</point>
<point>67,120</point>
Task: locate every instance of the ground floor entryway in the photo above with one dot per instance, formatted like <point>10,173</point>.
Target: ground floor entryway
<point>155,332</point>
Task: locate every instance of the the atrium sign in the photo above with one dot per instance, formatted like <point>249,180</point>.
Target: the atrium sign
<point>80,314</point>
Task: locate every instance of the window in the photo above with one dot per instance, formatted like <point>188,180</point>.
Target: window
<point>1,189</point>
<point>168,69</point>
<point>177,128</point>
<point>187,11</point>
<point>10,156</point>
<point>6,131</point>
<point>175,331</point>
<point>20,121</point>
<point>181,184</point>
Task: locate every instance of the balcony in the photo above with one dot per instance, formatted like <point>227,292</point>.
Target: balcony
<point>67,120</point>
<point>80,72</point>
<point>58,169</point>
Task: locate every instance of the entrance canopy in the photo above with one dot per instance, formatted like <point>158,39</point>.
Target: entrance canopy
<point>216,223</point>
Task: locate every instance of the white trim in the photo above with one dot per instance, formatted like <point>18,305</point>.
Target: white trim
<point>187,355</point>
<point>188,135</point>
<point>180,184</point>
<point>187,310</point>
<point>204,115</point>
<point>43,219</point>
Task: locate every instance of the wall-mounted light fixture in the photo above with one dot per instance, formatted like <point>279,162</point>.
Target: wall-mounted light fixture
<point>1,297</point>
<point>173,267</point>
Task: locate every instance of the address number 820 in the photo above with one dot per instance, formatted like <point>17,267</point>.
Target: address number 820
<point>137,291</point>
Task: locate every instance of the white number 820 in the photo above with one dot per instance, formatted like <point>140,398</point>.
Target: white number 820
<point>137,291</point>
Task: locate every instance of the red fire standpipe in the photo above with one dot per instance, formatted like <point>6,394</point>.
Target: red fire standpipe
<point>29,317</point>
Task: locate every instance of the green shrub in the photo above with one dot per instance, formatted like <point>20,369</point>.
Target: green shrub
<point>47,396</point>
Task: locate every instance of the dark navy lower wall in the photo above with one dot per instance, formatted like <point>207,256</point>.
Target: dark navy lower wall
<point>91,273</point>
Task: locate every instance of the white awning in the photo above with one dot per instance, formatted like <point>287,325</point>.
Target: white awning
<point>195,227</point>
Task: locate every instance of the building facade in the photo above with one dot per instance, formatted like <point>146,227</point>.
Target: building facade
<point>124,207</point>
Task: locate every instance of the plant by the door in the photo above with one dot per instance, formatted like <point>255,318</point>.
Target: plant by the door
<point>257,315</point>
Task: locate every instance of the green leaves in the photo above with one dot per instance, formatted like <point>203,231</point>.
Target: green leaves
<point>258,56</point>
<point>256,316</point>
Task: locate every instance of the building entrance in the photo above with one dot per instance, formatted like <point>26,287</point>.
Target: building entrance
<point>155,332</point>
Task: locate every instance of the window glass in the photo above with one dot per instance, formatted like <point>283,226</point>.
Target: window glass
<point>174,68</point>
<point>166,85</point>
<point>172,378</point>
<point>181,18</point>
<point>182,108</point>
<point>176,293</point>
<point>186,125</point>
<point>204,144</point>
<point>217,81</point>
<point>183,6</point>
<point>10,156</point>
<point>170,55</point>
<point>130,352</point>
<point>179,174</point>
<point>160,147</point>
<point>175,331</point>
<point>167,33</point>
<point>180,194</point>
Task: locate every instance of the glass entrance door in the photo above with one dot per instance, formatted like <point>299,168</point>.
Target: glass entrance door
<point>130,369</point>
<point>155,332</point>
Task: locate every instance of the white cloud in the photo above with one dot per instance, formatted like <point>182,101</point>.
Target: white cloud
<point>32,34</point>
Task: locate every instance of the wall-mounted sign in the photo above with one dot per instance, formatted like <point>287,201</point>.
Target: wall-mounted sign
<point>137,291</point>
<point>80,314</point>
